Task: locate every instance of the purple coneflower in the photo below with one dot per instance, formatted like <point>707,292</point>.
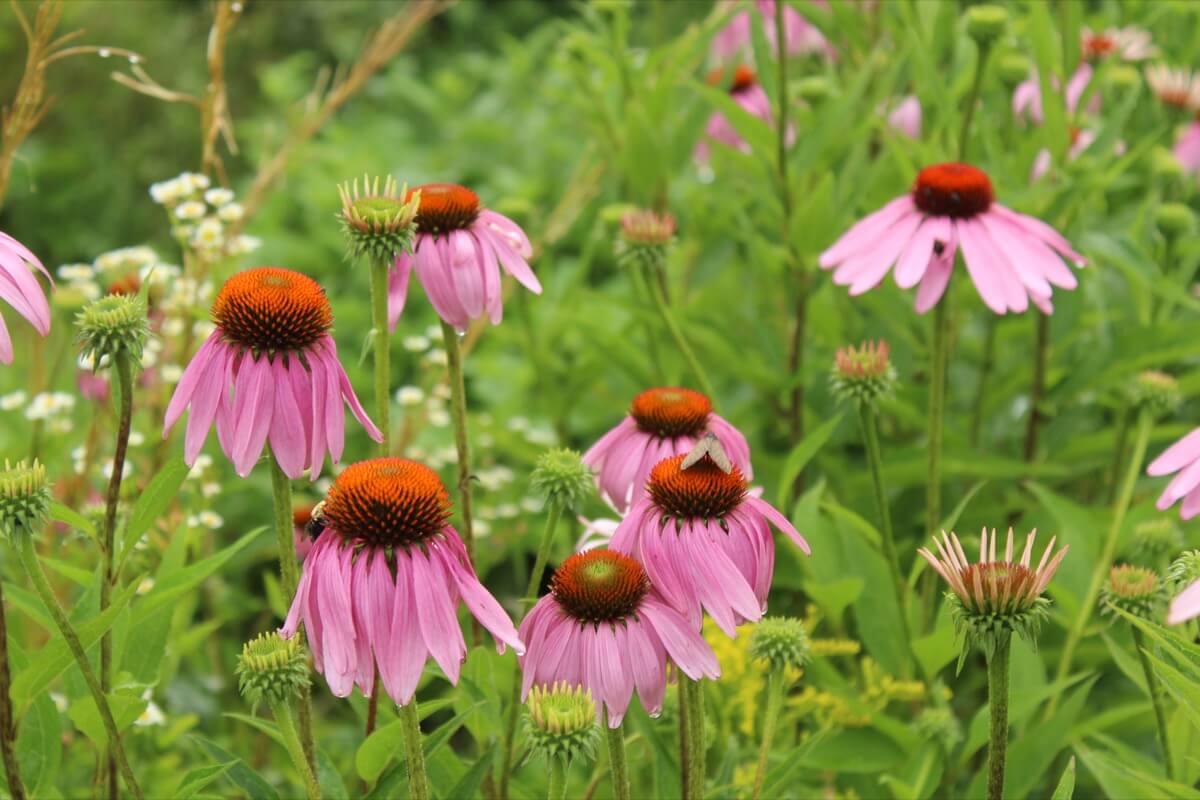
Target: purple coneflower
<point>603,627</point>
<point>747,92</point>
<point>799,35</point>
<point>662,422</point>
<point>705,541</point>
<point>459,249</point>
<point>1182,457</point>
<point>1011,258</point>
<point>272,349</point>
<point>21,290</point>
<point>382,583</point>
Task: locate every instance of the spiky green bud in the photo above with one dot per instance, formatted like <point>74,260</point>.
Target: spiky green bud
<point>1014,68</point>
<point>111,326</point>
<point>562,722</point>
<point>378,219</point>
<point>780,641</point>
<point>1185,570</point>
<point>1174,220</point>
<point>814,89</point>
<point>1136,590</point>
<point>24,497</point>
<point>986,23</point>
<point>272,668</point>
<point>1156,392</point>
<point>939,725</point>
<point>863,374</point>
<point>984,629</point>
<point>562,477</point>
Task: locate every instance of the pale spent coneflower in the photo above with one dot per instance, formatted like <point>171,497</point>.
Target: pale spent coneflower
<point>1177,88</point>
<point>704,540</point>
<point>268,373</point>
<point>21,290</point>
<point>1011,258</point>
<point>735,40</point>
<point>459,250</point>
<point>383,580</point>
<point>1027,96</point>
<point>604,627</point>
<point>989,600</point>
<point>1127,43</point>
<point>662,422</point>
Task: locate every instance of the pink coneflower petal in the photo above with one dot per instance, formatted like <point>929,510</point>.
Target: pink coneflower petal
<point>1185,606</point>
<point>435,613</point>
<point>1177,456</point>
<point>865,232</point>
<point>398,277</point>
<point>918,253</point>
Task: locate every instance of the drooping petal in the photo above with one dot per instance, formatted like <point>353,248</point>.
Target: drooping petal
<point>286,434</point>
<point>435,613</point>
<point>398,277</point>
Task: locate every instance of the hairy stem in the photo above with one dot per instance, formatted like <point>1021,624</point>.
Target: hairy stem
<point>985,374</point>
<point>685,349</point>
<point>940,357</point>
<point>29,560</point>
<point>414,752</point>
<point>1145,423</point>
<point>696,752</point>
<point>458,410</point>
<point>775,692</point>
<point>124,371</point>
<point>383,352</point>
<point>557,789</point>
<point>1038,390</point>
<point>616,760</point>
<point>997,668</point>
<point>870,429</point>
<point>1157,700</point>
<point>287,730</point>
<point>535,577</point>
<point>8,725</point>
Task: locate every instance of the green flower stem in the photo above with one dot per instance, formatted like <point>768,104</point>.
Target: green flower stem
<point>1145,423</point>
<point>685,735</point>
<point>616,759</point>
<point>997,667</point>
<point>775,693</point>
<point>695,752</point>
<point>1156,699</point>
<point>289,573</point>
<point>985,374</point>
<point>870,429</point>
<point>414,752</point>
<point>29,560</point>
<point>964,133</point>
<point>124,370</point>
<point>558,779</point>
<point>458,411</point>
<point>383,352</point>
<point>514,699</point>
<point>287,730</point>
<point>8,725</point>
<point>940,357</point>
<point>668,317</point>
<point>1038,390</point>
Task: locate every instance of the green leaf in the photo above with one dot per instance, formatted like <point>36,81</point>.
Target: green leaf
<point>1117,779</point>
<point>50,662</point>
<point>468,786</point>
<point>39,738</point>
<point>200,777</point>
<point>241,775</point>
<point>855,750</point>
<point>385,742</point>
<point>801,454</point>
<point>69,516</point>
<point>1066,784</point>
<point>390,781</point>
<point>183,581</point>
<point>125,709</point>
<point>153,501</point>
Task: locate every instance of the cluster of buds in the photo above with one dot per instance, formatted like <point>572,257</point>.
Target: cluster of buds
<point>272,668</point>
<point>111,327</point>
<point>378,218</point>
<point>995,597</point>
<point>24,497</point>
<point>780,641</point>
<point>201,216</point>
<point>562,478</point>
<point>1135,590</point>
<point>562,722</point>
<point>645,240</point>
<point>1156,392</point>
<point>864,373</point>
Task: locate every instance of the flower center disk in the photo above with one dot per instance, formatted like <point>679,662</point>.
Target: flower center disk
<point>702,491</point>
<point>671,412</point>
<point>270,309</point>
<point>599,586</point>
<point>743,78</point>
<point>445,207</point>
<point>953,190</point>
<point>387,502</point>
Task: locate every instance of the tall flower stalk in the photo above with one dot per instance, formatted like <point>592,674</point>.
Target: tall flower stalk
<point>781,642</point>
<point>458,418</point>
<point>8,724</point>
<point>113,329</point>
<point>562,728</point>
<point>990,600</point>
<point>24,500</point>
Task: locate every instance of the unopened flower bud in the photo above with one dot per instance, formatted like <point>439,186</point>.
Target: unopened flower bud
<point>1014,68</point>
<point>24,497</point>
<point>986,23</point>
<point>379,219</point>
<point>646,238</point>
<point>562,477</point>
<point>864,373</point>
<point>272,668</point>
<point>1174,220</point>
<point>1135,590</point>
<point>115,325</point>
<point>1157,392</point>
<point>562,722</point>
<point>814,89</point>
<point>780,641</point>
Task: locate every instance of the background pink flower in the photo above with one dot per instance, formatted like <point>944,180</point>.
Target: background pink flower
<point>735,41</point>
<point>21,290</point>
<point>1182,457</point>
